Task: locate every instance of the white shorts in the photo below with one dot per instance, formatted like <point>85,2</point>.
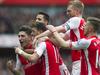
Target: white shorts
<point>64,70</point>
<point>76,67</point>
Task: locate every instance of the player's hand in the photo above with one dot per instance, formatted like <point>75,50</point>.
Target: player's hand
<point>18,50</point>
<point>10,65</point>
<point>51,28</point>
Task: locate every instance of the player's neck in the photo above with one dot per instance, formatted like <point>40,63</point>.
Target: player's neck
<point>26,44</point>
<point>79,15</point>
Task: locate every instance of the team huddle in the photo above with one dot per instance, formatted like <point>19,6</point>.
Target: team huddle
<point>38,53</point>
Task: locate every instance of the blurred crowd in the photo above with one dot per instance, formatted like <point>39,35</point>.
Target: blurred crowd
<point>12,17</point>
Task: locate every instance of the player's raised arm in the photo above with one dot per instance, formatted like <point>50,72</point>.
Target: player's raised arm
<point>48,33</point>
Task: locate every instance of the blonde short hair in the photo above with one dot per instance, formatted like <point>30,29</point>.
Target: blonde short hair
<point>77,4</point>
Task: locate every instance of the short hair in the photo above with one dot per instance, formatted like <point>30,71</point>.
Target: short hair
<point>77,4</point>
<point>27,29</point>
<point>46,16</point>
<point>95,22</point>
<point>39,26</point>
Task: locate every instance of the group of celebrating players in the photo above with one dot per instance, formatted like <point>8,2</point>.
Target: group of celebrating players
<point>38,53</point>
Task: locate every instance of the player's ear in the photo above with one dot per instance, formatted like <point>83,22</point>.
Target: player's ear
<point>90,28</point>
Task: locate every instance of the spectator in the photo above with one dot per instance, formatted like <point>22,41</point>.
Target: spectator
<point>5,26</point>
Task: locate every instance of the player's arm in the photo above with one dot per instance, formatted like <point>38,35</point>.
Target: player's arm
<point>30,51</point>
<point>48,33</point>
<point>59,39</point>
<point>67,44</point>
<point>80,44</point>
<point>72,23</point>
<point>65,36</point>
<point>32,57</point>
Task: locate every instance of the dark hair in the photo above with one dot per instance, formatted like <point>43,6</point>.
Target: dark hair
<point>95,22</point>
<point>77,4</point>
<point>46,16</point>
<point>26,29</point>
<point>39,26</point>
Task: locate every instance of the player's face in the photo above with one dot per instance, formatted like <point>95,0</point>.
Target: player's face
<point>87,29</point>
<point>71,11</point>
<point>35,32</point>
<point>40,18</point>
<point>23,37</point>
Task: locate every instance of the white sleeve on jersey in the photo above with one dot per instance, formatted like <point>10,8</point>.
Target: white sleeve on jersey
<point>18,63</point>
<point>81,44</point>
<point>72,23</point>
<point>40,48</point>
